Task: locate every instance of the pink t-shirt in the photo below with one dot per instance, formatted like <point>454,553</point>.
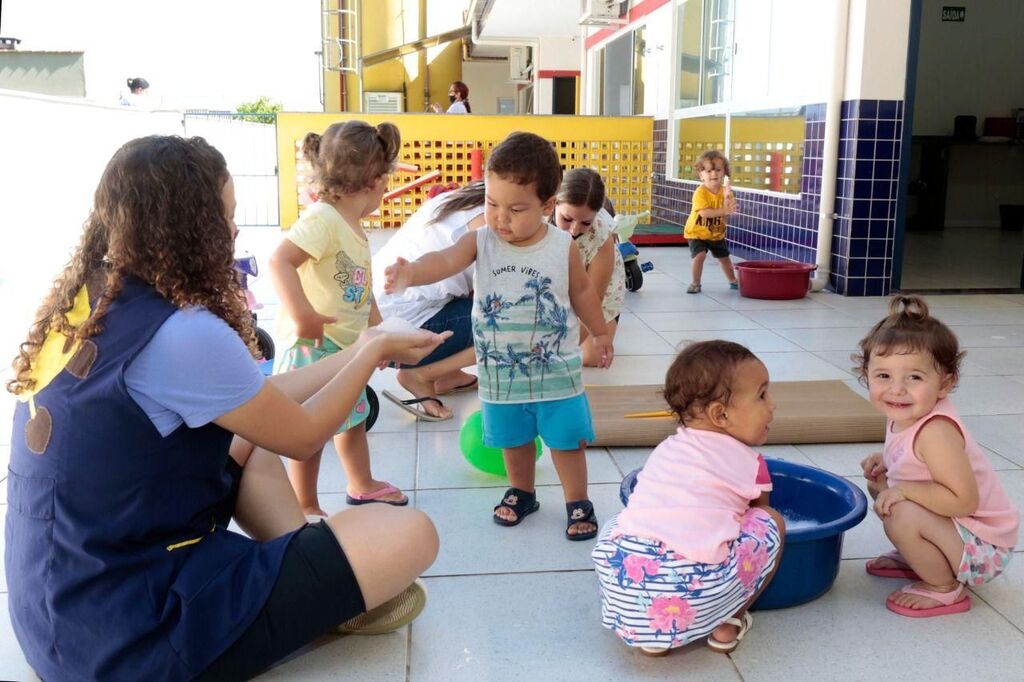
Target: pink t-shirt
<point>996,520</point>
<point>692,493</point>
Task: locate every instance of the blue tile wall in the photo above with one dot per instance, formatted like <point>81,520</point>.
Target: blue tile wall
<point>772,227</point>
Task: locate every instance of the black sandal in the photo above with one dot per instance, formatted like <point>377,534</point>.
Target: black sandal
<point>581,511</point>
<point>520,502</point>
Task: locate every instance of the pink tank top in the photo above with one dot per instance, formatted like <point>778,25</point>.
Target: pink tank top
<point>996,520</point>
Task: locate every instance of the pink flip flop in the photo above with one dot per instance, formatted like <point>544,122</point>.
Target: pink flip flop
<point>374,497</point>
<point>951,603</point>
<point>891,572</point>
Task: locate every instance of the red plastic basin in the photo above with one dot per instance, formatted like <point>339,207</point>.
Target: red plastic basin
<point>774,279</point>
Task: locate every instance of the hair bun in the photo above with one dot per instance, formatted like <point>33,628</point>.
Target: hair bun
<point>911,306</point>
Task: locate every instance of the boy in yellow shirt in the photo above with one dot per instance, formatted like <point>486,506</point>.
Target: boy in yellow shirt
<point>705,228</point>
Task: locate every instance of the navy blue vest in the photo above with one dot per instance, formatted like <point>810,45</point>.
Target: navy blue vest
<point>118,566</point>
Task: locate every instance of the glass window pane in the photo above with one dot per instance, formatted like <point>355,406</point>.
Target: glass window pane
<point>639,61</point>
<point>694,137</point>
<point>767,149</point>
<point>753,37</point>
<point>618,77</point>
<point>688,27</point>
<point>718,41</point>
<point>796,50</point>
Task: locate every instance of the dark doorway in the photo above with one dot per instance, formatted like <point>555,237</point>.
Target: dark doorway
<point>564,95</point>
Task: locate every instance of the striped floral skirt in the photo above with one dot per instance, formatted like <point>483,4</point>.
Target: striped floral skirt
<point>653,597</point>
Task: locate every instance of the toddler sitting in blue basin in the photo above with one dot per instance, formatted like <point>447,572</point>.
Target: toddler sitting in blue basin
<point>698,542</point>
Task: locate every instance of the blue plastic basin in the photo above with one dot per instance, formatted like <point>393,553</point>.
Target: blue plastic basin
<point>820,507</point>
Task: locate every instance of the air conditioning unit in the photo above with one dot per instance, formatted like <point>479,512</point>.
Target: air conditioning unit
<point>382,103</point>
<point>602,12</point>
<point>520,67</point>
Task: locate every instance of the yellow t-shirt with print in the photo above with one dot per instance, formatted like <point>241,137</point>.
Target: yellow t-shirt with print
<point>707,229</point>
<point>335,279</point>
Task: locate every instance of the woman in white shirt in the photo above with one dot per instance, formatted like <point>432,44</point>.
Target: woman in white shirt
<point>458,95</point>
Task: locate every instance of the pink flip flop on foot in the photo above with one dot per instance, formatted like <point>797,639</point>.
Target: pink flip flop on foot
<point>376,495</point>
<point>949,602</point>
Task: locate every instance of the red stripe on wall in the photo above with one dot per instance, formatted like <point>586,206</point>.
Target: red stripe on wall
<point>555,73</point>
<point>641,9</point>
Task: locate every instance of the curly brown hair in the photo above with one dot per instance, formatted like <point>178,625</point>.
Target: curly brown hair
<point>909,328</point>
<point>525,158</point>
<point>702,374</point>
<point>710,156</point>
<point>350,156</point>
<point>159,215</point>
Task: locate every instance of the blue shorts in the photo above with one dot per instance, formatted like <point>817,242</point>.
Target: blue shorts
<point>561,423</point>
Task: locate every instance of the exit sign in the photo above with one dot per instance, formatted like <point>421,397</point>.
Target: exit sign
<point>954,13</point>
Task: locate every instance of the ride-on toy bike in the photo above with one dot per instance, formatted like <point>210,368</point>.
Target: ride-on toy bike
<point>624,227</point>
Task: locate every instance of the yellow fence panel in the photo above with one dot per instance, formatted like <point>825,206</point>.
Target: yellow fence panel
<point>619,148</point>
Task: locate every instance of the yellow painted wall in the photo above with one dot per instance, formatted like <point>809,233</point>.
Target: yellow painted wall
<point>386,24</point>
<point>620,148</point>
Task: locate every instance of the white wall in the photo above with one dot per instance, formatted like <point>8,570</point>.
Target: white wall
<point>194,53</point>
<point>876,49</point>
<point>558,53</point>
<point>54,151</point>
<point>487,81</point>
<point>973,68</point>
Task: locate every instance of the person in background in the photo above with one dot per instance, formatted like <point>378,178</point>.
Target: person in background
<point>458,95</point>
<point>580,211</point>
<point>705,228</point>
<point>137,88</point>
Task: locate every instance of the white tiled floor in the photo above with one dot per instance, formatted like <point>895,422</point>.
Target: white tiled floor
<point>521,603</point>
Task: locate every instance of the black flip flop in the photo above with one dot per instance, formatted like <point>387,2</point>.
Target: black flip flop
<point>412,407</point>
<point>581,511</point>
<point>520,502</point>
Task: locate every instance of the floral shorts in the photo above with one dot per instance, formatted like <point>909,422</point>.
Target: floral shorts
<point>304,353</point>
<point>653,597</point>
<point>981,561</point>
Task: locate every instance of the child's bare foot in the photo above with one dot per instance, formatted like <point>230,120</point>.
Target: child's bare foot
<point>887,561</point>
<point>917,602</point>
<point>725,633</point>
<point>313,510</point>
<point>454,381</point>
<point>411,382</point>
<point>891,565</point>
<point>726,637</point>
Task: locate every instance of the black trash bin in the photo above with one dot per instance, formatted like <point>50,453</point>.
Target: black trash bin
<point>1011,217</point>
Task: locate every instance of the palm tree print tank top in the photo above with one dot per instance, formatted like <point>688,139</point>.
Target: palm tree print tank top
<point>524,328</point>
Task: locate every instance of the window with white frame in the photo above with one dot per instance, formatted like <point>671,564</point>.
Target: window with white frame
<point>622,65</point>
<point>743,71</point>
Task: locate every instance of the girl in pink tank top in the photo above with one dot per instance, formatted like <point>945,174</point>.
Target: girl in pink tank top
<point>941,504</point>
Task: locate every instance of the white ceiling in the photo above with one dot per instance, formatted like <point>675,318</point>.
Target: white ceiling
<point>531,19</point>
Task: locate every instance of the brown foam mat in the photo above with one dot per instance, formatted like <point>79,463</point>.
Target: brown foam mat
<point>806,412</point>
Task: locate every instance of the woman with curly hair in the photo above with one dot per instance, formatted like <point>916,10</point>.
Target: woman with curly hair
<point>144,426</point>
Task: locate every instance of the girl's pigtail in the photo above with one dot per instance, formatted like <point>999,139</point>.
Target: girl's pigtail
<point>311,147</point>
